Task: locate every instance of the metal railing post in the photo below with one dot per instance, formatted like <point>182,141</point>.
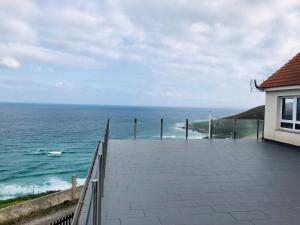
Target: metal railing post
<point>210,126</point>
<point>95,200</point>
<point>100,187</point>
<point>104,152</point>
<point>102,174</point>
<point>263,131</point>
<point>161,128</point>
<point>186,129</point>
<point>257,129</point>
<point>104,147</point>
<point>107,125</point>
<point>234,129</point>
<point>134,128</point>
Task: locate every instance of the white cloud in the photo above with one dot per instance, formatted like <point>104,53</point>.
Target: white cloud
<point>190,33</point>
<point>17,21</point>
<point>184,40</point>
<point>48,55</point>
<point>10,62</point>
<point>63,85</point>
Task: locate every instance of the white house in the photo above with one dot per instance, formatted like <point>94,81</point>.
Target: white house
<point>282,111</point>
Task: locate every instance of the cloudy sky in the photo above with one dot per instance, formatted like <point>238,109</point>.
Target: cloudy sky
<point>143,52</point>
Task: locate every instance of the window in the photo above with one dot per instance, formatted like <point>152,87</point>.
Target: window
<point>287,108</point>
<point>290,113</point>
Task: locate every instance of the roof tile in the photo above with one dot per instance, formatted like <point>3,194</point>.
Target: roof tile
<point>287,75</point>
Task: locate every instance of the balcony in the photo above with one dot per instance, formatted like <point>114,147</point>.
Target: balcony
<point>193,182</point>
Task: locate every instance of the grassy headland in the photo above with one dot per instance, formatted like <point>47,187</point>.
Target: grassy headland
<point>223,127</point>
<point>256,113</point>
<point>14,201</point>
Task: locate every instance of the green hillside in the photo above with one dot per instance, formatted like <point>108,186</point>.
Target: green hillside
<point>257,113</point>
<point>246,124</point>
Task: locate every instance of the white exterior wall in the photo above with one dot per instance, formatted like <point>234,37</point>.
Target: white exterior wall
<point>272,128</point>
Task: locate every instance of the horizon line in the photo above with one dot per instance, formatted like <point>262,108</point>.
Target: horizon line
<point>120,105</point>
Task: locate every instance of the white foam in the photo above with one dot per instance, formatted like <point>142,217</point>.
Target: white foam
<point>193,134</point>
<point>52,184</point>
<point>54,153</point>
<point>179,125</point>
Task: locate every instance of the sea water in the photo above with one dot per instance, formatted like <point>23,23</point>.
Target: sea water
<point>28,132</point>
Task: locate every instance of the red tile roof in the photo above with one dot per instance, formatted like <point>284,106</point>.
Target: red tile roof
<point>288,75</point>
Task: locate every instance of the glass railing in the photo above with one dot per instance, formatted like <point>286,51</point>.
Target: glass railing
<point>171,129</point>
<point>223,128</point>
<point>233,129</point>
<point>250,129</point>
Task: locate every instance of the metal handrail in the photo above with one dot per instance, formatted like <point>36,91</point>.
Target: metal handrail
<point>85,187</point>
<point>101,176</point>
<point>102,163</point>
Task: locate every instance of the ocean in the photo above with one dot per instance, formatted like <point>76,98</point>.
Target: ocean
<point>29,131</point>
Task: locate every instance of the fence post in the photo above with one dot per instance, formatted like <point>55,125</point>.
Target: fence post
<point>134,128</point>
<point>186,129</point>
<point>74,187</point>
<point>257,129</point>
<point>161,128</point>
<point>95,198</point>
<point>72,217</point>
<point>210,126</point>
<point>234,129</point>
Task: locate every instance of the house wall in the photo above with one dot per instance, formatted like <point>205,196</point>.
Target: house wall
<point>272,129</point>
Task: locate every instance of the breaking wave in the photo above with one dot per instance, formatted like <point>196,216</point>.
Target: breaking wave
<point>52,184</point>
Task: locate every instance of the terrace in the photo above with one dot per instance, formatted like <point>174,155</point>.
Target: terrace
<point>191,182</point>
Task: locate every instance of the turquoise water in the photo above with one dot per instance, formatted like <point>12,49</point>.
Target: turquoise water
<point>29,131</point>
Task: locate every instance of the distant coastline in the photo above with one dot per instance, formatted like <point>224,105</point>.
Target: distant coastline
<point>223,127</point>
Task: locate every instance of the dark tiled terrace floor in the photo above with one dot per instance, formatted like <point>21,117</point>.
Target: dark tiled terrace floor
<point>201,182</point>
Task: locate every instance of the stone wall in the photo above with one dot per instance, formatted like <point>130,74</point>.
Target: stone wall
<point>25,208</point>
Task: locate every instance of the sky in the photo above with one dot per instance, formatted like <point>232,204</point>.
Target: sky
<point>144,52</point>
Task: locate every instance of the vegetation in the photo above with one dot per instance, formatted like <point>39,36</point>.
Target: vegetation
<point>257,113</point>
<point>246,124</point>
<point>14,201</point>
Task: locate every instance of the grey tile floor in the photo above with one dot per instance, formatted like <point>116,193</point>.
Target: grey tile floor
<point>201,182</point>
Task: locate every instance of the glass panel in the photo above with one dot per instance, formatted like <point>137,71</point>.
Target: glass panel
<point>148,127</point>
<point>174,128</point>
<point>287,108</point>
<point>247,128</point>
<point>297,127</point>
<point>197,129</point>
<point>223,128</point>
<point>121,128</point>
<point>298,109</point>
<point>287,125</point>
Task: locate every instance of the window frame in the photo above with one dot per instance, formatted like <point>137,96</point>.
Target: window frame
<point>294,120</point>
